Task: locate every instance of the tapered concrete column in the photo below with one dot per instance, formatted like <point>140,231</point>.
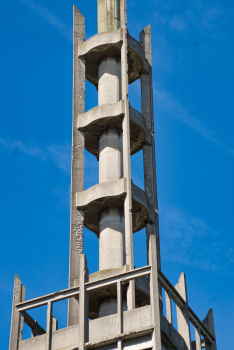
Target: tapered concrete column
<point>209,324</point>
<point>183,315</point>
<point>17,320</point>
<point>77,169</point>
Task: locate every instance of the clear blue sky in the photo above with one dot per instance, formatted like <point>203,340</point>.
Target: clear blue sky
<point>194,121</point>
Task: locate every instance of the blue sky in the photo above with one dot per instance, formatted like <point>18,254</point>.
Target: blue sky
<point>193,72</point>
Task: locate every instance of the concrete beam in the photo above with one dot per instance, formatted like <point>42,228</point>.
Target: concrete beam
<point>36,328</point>
<point>77,168</point>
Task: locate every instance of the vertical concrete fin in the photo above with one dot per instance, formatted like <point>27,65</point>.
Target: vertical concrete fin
<point>183,315</point>
<point>169,314</point>
<point>49,326</point>
<point>149,151</point>
<point>123,14</point>
<point>209,324</point>
<point>16,318</point>
<point>181,287</point>
<point>127,160</point>
<point>83,303</point>
<point>77,166</point>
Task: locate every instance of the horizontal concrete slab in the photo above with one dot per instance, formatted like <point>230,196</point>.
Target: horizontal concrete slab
<point>111,194</point>
<point>108,44</point>
<point>99,118</point>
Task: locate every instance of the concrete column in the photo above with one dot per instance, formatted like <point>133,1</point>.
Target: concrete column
<point>83,303</point>
<point>109,81</point>
<point>126,158</point>
<point>49,326</point>
<point>17,320</point>
<point>110,155</point>
<point>183,315</point>
<point>120,306</point>
<point>209,324</point>
<point>154,288</point>
<point>149,151</point>
<point>169,313</point>
<point>77,169</point>
<point>111,253</point>
<point>198,338</point>
<point>108,15</point>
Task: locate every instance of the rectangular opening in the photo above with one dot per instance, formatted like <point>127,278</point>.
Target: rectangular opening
<point>39,315</point>
<point>59,319</point>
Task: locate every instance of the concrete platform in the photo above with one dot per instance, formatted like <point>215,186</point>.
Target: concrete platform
<point>108,44</point>
<point>102,117</point>
<point>111,194</point>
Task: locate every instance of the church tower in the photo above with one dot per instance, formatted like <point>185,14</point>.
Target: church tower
<point>119,306</point>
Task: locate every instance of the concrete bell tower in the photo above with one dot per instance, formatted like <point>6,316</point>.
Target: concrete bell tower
<point>117,307</point>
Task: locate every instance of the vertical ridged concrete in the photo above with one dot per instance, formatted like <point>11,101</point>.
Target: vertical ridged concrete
<point>77,169</point>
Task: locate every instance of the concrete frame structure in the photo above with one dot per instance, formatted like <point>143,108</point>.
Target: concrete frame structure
<point>118,307</point>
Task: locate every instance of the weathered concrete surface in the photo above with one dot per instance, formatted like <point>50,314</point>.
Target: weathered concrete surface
<point>77,167</point>
<point>109,81</point>
<point>108,44</point>
<point>17,320</point>
<point>109,307</point>
<point>83,304</point>
<point>102,117</point>
<point>112,194</point>
<point>108,15</point>
<point>149,151</point>
<point>66,338</point>
<point>209,324</point>
<point>183,315</point>
<point>111,239</point>
<point>110,155</point>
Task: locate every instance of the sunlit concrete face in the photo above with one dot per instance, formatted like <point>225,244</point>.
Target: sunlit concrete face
<point>110,155</point>
<point>111,240</point>
<point>109,81</point>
